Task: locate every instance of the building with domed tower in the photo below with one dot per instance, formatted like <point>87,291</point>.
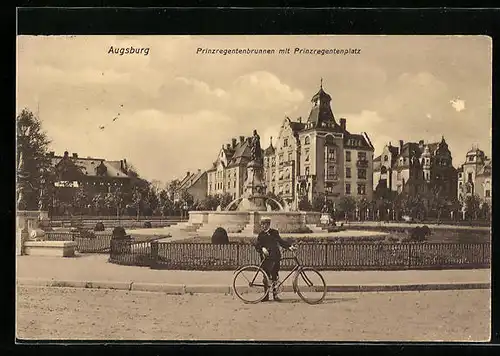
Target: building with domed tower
<point>319,155</point>
<point>474,176</point>
<point>415,168</point>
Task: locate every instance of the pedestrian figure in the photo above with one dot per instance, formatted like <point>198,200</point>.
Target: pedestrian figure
<point>268,245</point>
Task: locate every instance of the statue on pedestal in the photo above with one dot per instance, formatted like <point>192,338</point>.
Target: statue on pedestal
<point>256,151</point>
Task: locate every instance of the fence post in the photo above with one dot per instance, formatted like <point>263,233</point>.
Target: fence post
<point>409,254</point>
<point>237,255</point>
<point>154,253</point>
<point>326,254</point>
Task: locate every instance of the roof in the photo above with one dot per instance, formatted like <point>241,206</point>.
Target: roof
<point>88,166</point>
<point>356,140</point>
<point>410,149</point>
<point>191,179</point>
<point>322,95</point>
<point>297,126</point>
<point>269,151</point>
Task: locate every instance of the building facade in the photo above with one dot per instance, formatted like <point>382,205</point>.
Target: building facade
<point>96,174</point>
<point>415,168</point>
<point>319,156</point>
<point>228,171</point>
<point>193,183</point>
<point>474,177</point>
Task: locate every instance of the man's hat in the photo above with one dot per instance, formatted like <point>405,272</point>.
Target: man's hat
<point>265,220</point>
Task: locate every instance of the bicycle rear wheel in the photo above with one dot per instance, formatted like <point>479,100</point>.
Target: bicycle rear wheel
<point>310,285</point>
<point>251,284</point>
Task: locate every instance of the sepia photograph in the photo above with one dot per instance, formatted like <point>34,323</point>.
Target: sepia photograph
<point>253,188</point>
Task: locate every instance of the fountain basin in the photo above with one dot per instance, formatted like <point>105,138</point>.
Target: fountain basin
<point>249,221</point>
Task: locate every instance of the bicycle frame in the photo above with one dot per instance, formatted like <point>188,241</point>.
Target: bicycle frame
<point>296,269</point>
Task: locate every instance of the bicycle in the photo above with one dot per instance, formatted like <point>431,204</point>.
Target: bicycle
<point>259,285</point>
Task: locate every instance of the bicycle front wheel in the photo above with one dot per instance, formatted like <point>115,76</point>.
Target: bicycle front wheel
<point>251,284</point>
<point>310,285</point>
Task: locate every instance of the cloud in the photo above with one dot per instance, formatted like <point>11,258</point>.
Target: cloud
<point>458,104</point>
<point>201,86</point>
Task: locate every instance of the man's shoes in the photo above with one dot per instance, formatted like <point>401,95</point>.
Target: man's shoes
<point>276,297</point>
<point>266,298</point>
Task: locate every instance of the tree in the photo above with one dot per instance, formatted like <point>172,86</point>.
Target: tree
<point>224,199</point>
<point>166,204</point>
<point>113,201</point>
<point>472,206</point>
<point>152,200</point>
<point>32,142</point>
<point>362,204</point>
<point>172,187</point>
<point>81,200</point>
<point>305,204</point>
<point>98,201</point>
<point>347,204</point>
<point>318,201</point>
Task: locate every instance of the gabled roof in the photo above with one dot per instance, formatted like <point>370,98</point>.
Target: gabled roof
<point>88,166</point>
<point>191,179</point>
<point>356,140</point>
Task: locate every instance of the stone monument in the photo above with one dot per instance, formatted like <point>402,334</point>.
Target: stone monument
<point>254,187</point>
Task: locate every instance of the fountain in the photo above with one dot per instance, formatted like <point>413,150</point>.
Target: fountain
<point>252,206</point>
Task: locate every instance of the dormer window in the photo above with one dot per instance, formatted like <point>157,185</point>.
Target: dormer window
<point>307,140</point>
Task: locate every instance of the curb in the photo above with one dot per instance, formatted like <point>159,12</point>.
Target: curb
<point>178,289</point>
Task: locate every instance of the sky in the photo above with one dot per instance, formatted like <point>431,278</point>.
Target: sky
<point>174,108</point>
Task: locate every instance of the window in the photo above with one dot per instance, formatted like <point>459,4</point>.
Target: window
<point>307,171</point>
<point>273,178</point>
<point>362,156</point>
<point>348,156</point>
<point>273,161</point>
<point>307,156</point>
<point>281,175</point>
<point>348,172</point>
<point>361,189</point>
<point>469,178</point>
<point>329,140</point>
<point>487,193</point>
<point>348,188</point>
<point>289,157</point>
<point>329,188</point>
<point>362,173</point>
<point>234,185</point>
<point>285,142</point>
<point>386,158</point>
<point>307,140</point>
<point>471,158</point>
<point>331,154</point>
<point>287,189</point>
<point>281,159</point>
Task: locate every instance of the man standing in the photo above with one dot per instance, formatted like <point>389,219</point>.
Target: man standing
<point>268,245</point>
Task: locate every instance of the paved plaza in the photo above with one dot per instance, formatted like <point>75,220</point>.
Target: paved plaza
<point>95,267</point>
<point>91,314</point>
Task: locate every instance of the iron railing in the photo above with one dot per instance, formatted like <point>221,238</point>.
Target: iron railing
<point>323,256</point>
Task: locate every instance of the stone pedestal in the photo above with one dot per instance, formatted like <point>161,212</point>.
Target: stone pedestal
<point>50,248</point>
<point>254,189</point>
<point>27,227</point>
<point>325,219</point>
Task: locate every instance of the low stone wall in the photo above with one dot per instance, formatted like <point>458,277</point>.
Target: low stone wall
<point>232,221</point>
<point>50,248</point>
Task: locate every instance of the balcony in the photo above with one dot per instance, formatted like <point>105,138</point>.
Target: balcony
<point>362,163</point>
<point>304,178</point>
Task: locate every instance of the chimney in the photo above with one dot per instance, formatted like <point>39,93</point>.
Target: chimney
<point>300,119</point>
<point>188,173</point>
<point>242,139</point>
<point>199,170</point>
<point>420,143</point>
<point>75,155</point>
<point>228,146</point>
<point>66,154</point>
<point>401,146</point>
<point>233,141</point>
<point>121,166</point>
<point>343,123</point>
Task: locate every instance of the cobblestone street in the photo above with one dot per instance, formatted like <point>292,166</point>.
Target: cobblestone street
<point>67,313</point>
